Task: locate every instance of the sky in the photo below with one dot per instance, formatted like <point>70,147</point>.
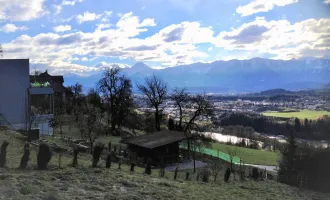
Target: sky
<point>84,36</point>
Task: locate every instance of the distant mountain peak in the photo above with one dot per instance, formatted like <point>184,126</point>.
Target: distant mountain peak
<point>140,65</point>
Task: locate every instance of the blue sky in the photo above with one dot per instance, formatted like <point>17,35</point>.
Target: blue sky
<point>83,36</point>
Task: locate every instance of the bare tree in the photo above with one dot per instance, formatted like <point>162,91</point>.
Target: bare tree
<point>232,153</point>
<point>196,145</point>
<point>180,96</point>
<point>58,119</point>
<point>216,167</point>
<point>90,124</point>
<point>77,99</point>
<point>155,89</point>
<point>116,89</point>
<point>107,86</point>
<point>202,108</point>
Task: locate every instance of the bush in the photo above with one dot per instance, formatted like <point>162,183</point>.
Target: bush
<point>176,172</point>
<point>170,124</point>
<point>187,176</point>
<point>3,153</point>
<point>26,156</point>
<point>75,157</point>
<point>108,163</point>
<point>132,167</point>
<point>109,146</point>
<point>227,174</point>
<point>205,174</point>
<point>255,173</point>
<point>97,154</point>
<point>44,156</point>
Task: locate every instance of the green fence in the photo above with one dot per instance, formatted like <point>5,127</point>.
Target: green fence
<point>215,153</point>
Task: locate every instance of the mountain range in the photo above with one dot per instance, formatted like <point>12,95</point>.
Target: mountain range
<point>253,75</point>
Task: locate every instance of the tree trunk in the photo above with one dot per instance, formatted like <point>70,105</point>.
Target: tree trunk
<point>188,141</point>
<point>180,122</point>
<point>194,163</point>
<point>157,119</point>
<point>91,148</point>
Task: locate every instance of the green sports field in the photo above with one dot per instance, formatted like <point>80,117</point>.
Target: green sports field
<point>309,114</point>
<point>248,156</point>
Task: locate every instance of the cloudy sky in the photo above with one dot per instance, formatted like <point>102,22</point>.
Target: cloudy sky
<point>80,36</point>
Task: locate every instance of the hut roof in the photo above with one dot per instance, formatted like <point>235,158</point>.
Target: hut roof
<point>157,139</point>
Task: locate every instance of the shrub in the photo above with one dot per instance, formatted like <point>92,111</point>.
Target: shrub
<point>108,163</point>
<point>119,164</point>
<point>44,156</point>
<point>255,173</point>
<point>205,174</point>
<point>197,177</point>
<point>3,153</point>
<point>176,172</point>
<point>26,156</point>
<point>227,174</point>
<point>132,167</point>
<point>109,146</point>
<point>162,172</point>
<point>187,176</point>
<point>97,154</point>
<point>75,157</point>
<point>170,124</point>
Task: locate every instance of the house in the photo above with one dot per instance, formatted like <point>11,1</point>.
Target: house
<point>157,146</point>
<point>54,82</point>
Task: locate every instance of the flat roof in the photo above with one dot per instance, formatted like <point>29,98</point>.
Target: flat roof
<point>157,139</point>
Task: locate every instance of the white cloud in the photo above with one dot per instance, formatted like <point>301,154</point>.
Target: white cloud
<point>62,28</point>
<point>21,10</point>
<point>58,8</point>
<point>102,26</point>
<point>106,16</point>
<point>326,1</point>
<point>130,25</point>
<point>209,49</point>
<point>173,45</point>
<point>84,59</point>
<point>105,65</point>
<point>158,67</point>
<point>281,38</point>
<point>257,6</point>
<point>148,22</point>
<point>8,28</point>
<point>88,16</point>
<point>118,41</point>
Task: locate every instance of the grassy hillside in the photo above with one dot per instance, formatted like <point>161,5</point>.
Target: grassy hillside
<point>250,156</point>
<point>309,114</point>
<point>100,183</point>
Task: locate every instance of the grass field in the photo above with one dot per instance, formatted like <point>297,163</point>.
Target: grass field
<point>309,114</point>
<point>84,182</point>
<point>250,156</point>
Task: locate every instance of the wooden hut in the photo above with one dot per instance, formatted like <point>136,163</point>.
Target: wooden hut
<point>157,146</point>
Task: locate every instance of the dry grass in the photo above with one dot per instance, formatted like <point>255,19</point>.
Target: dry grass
<point>100,183</point>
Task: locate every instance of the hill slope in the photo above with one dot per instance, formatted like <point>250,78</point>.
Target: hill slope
<point>100,183</point>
